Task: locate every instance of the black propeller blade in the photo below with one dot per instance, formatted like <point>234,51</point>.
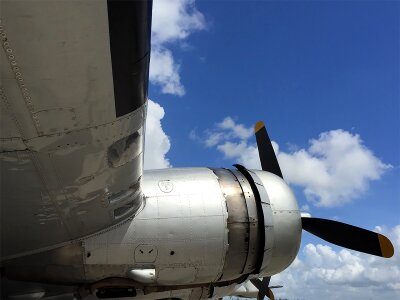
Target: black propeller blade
<point>263,288</point>
<point>267,155</point>
<point>349,236</point>
<point>338,233</point>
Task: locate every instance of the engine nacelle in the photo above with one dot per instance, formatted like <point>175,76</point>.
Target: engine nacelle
<point>243,222</point>
<point>197,226</point>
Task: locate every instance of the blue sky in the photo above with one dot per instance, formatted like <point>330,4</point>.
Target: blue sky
<point>304,67</point>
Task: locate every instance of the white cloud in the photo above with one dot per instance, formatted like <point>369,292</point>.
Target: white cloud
<point>172,21</point>
<point>305,215</point>
<point>157,143</point>
<point>237,130</point>
<point>165,72</point>
<point>335,169</point>
<point>323,273</point>
<point>213,139</point>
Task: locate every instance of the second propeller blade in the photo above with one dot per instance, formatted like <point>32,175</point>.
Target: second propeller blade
<point>349,236</point>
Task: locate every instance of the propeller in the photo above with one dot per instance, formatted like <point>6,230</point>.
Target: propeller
<point>263,288</point>
<point>266,152</point>
<point>349,236</point>
<point>337,233</point>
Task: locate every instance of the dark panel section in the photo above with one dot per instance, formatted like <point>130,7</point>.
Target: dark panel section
<point>107,293</point>
<point>260,254</point>
<point>349,236</point>
<point>130,30</point>
<point>62,265</point>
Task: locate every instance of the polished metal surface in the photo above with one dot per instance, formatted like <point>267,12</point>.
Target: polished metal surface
<point>285,224</point>
<point>196,227</point>
<point>254,232</point>
<point>242,224</point>
<point>69,166</point>
<point>267,221</point>
<point>142,275</point>
<point>181,231</point>
<point>61,265</point>
<point>237,223</point>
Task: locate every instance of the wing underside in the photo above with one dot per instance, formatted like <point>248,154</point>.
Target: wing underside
<point>74,78</point>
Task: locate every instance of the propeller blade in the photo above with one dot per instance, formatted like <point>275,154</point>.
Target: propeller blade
<point>349,236</point>
<point>267,155</point>
<point>276,286</point>
<point>263,289</point>
<point>270,294</point>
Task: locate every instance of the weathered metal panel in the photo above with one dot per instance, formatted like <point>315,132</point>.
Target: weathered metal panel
<point>77,166</point>
<point>61,265</point>
<point>179,232</point>
<point>238,225</point>
<point>253,232</point>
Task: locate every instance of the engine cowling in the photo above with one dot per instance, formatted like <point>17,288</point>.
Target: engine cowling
<point>283,230</point>
<point>272,234</point>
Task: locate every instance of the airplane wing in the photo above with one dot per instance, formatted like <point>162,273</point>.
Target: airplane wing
<point>74,77</point>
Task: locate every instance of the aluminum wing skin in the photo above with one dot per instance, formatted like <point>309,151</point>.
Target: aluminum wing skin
<point>74,77</point>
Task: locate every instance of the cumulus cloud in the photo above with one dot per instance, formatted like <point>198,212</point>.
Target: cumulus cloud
<point>335,169</point>
<point>165,72</point>
<point>325,273</point>
<point>157,143</point>
<point>236,130</point>
<point>173,21</point>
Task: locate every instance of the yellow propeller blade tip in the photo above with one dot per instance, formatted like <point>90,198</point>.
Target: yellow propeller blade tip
<point>271,294</point>
<point>258,126</point>
<point>386,246</point>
